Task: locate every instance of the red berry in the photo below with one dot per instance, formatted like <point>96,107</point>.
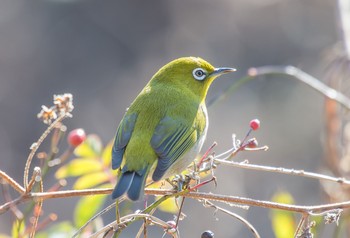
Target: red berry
<point>254,124</point>
<point>76,137</point>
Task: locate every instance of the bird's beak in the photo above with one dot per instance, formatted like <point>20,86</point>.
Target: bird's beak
<point>220,71</point>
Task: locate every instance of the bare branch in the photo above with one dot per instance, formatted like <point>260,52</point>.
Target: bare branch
<point>12,182</point>
<point>206,203</point>
<point>305,78</point>
<point>303,173</point>
<point>126,219</point>
<point>254,202</point>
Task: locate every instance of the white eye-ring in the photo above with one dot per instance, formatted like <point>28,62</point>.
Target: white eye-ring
<point>199,74</point>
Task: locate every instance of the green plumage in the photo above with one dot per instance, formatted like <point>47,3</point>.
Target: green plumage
<point>165,126</point>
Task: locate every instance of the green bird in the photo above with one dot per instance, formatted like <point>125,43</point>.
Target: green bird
<point>165,127</point>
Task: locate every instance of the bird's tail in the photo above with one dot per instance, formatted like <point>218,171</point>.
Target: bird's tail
<point>132,183</point>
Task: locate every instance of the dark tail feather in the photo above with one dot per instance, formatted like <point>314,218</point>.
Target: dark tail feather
<point>132,183</point>
<point>137,186</point>
<point>123,184</point>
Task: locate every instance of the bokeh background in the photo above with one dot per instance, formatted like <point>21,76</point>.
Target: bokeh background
<point>104,52</point>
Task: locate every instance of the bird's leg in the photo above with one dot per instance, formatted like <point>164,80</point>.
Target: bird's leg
<point>117,211</point>
<point>172,183</point>
<point>180,181</point>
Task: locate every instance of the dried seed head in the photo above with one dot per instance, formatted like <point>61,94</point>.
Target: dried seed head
<point>47,115</point>
<point>63,103</point>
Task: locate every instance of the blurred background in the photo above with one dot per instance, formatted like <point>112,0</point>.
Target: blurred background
<point>104,52</point>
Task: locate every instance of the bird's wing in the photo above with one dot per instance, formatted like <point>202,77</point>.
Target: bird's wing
<point>171,140</point>
<point>122,138</point>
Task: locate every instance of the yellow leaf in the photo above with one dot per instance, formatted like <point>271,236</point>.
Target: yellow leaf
<point>86,208</point>
<point>91,180</point>
<point>107,154</point>
<point>283,222</point>
<point>78,167</point>
<point>62,229</point>
<point>4,236</point>
<point>168,205</point>
<point>90,148</point>
<point>18,228</point>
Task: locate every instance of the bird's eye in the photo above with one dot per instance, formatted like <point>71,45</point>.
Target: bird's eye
<point>199,74</point>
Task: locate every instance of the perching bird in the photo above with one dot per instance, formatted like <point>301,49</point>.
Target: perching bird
<point>165,127</point>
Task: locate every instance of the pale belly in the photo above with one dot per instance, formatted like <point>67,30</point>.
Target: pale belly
<point>182,163</point>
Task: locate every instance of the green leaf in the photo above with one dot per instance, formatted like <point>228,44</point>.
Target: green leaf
<point>283,222</point>
<point>78,167</point>
<point>90,148</point>
<point>91,180</point>
<point>86,208</point>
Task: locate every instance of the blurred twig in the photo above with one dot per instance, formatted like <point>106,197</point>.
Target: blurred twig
<point>39,203</point>
<point>291,71</point>
<point>344,13</point>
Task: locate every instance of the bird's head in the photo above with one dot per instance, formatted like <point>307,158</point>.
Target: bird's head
<point>189,73</point>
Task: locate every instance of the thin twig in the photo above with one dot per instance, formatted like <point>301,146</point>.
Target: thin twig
<point>7,196</point>
<point>12,182</point>
<point>126,219</point>
<point>32,181</point>
<point>55,194</point>
<point>300,225</point>
<point>95,216</point>
<point>309,80</point>
<point>206,203</point>
<point>39,204</point>
<point>254,202</point>
<point>344,12</point>
<point>36,146</point>
<point>283,171</point>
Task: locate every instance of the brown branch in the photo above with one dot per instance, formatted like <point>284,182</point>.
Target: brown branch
<point>36,172</point>
<point>254,202</point>
<point>197,195</point>
<point>12,182</point>
<point>56,194</point>
<point>302,173</point>
<point>7,196</point>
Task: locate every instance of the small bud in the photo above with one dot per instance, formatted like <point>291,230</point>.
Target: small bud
<point>252,143</point>
<point>172,227</point>
<point>171,223</point>
<point>254,124</point>
<point>207,234</point>
<point>76,137</point>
